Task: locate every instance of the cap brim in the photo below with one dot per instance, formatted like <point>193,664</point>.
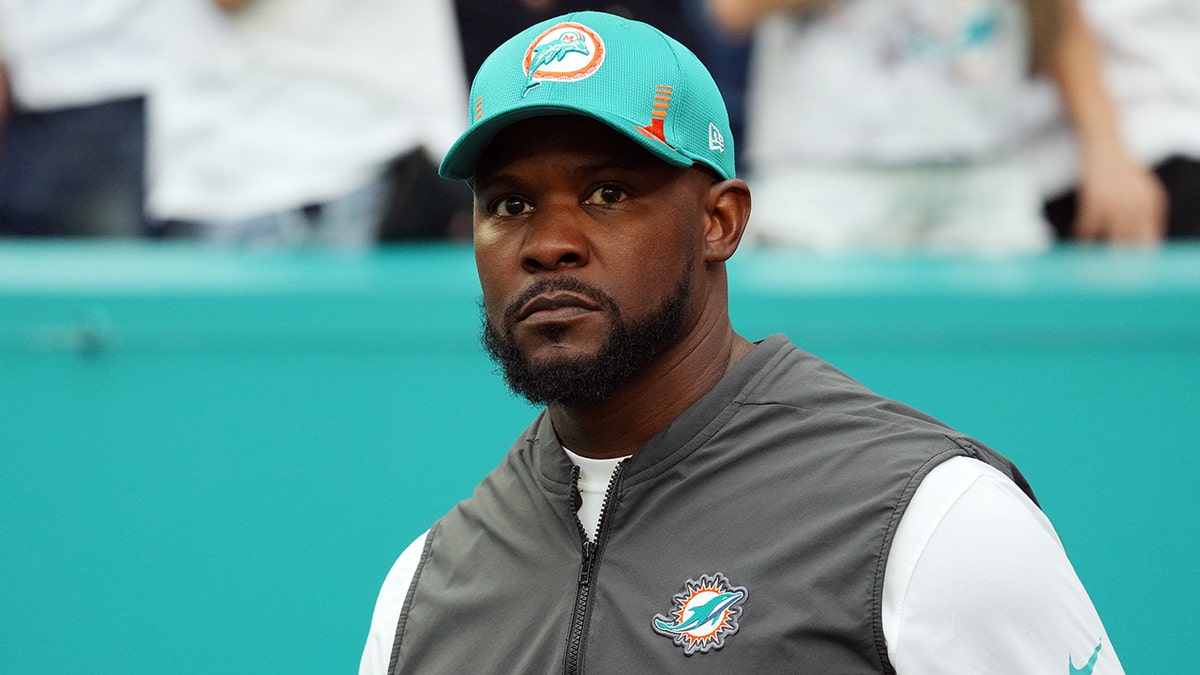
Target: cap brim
<point>459,163</point>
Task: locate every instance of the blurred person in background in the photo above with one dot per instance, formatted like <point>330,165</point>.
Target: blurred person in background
<point>306,122</point>
<point>73,83</point>
<point>889,125</point>
<point>1117,153</point>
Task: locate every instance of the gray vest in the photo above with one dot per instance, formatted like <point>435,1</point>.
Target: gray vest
<point>749,536</point>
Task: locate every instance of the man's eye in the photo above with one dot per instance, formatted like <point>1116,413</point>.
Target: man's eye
<point>606,194</point>
<point>510,206</point>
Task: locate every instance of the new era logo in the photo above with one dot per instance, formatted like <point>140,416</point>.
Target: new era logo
<point>715,140</point>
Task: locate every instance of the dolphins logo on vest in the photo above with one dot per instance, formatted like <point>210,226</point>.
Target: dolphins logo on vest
<point>705,614</point>
<point>565,52</point>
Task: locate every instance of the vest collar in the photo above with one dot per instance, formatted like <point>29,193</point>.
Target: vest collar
<point>683,435</point>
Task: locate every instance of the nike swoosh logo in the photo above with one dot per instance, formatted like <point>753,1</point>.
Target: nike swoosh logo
<point>1089,666</point>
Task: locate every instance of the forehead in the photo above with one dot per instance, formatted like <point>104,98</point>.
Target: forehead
<point>566,138</point>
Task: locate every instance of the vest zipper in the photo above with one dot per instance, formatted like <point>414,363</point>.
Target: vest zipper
<point>587,569</point>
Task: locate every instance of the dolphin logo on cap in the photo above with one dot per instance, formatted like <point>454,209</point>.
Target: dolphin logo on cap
<point>565,52</point>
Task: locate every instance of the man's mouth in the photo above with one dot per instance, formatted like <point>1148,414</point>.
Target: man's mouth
<point>555,306</point>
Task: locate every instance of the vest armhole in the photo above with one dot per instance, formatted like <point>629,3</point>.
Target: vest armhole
<point>898,510</point>
<point>408,600</point>
<point>1000,462</point>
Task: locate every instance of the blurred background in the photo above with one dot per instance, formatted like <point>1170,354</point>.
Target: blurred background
<point>239,359</point>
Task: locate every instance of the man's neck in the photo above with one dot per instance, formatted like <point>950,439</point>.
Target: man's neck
<point>645,405</point>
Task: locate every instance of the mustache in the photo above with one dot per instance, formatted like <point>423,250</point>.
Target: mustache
<point>569,284</point>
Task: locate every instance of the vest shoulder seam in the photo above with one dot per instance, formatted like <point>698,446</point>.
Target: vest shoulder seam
<point>401,624</point>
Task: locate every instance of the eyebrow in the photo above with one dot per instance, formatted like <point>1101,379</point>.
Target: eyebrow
<point>593,169</point>
<point>478,184</point>
<point>584,171</point>
<point>606,161</point>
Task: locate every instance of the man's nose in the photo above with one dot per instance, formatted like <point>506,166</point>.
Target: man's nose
<point>555,239</point>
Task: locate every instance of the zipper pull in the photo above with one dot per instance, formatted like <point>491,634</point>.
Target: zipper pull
<point>585,569</point>
<point>576,499</point>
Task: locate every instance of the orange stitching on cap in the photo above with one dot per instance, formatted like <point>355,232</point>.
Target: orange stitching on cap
<point>658,114</point>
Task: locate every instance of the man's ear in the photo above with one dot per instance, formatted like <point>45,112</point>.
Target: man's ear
<point>727,210</point>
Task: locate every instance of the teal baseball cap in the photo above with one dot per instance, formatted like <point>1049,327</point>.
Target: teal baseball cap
<point>624,73</point>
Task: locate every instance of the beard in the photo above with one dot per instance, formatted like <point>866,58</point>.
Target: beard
<point>585,380</point>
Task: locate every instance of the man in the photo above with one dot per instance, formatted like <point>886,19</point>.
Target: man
<point>887,125</point>
<point>1115,147</point>
<point>690,501</point>
<point>74,82</point>
<point>279,121</point>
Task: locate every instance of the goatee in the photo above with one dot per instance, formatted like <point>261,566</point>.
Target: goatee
<point>586,380</point>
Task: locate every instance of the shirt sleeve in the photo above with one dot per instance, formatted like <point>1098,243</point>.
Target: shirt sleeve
<point>377,653</point>
<point>977,581</point>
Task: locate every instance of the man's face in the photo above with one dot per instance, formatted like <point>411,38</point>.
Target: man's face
<point>587,249</point>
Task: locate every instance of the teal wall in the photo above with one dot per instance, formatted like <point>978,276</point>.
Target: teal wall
<point>209,459</point>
